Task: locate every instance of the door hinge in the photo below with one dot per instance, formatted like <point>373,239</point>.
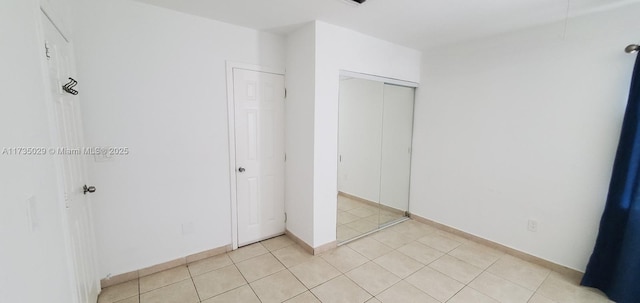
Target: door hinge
<point>285,217</point>
<point>46,50</point>
<point>285,157</point>
<point>285,93</point>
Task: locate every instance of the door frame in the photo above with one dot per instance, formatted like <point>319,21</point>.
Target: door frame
<point>231,112</point>
<point>44,9</point>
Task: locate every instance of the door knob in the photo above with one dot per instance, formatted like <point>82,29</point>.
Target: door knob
<point>241,169</point>
<point>89,189</point>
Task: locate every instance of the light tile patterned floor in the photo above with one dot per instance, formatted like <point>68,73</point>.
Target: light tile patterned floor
<point>408,262</point>
<point>356,218</point>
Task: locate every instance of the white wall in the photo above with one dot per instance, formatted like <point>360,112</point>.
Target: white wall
<point>342,49</point>
<point>154,80</point>
<point>300,80</point>
<point>525,126</point>
<point>360,137</point>
<point>33,262</point>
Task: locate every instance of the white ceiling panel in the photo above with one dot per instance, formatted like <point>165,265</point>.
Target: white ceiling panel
<point>421,24</point>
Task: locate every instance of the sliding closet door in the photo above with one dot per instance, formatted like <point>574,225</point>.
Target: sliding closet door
<point>374,154</point>
<point>395,164</point>
<point>360,139</point>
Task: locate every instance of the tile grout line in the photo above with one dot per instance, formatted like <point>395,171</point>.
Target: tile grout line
<point>509,280</point>
<point>284,268</point>
<point>139,291</point>
<point>194,284</point>
<point>483,271</point>
<point>444,254</point>
<point>369,260</point>
<point>279,261</point>
<point>465,284</point>
<point>538,288</point>
<point>425,265</point>
<point>356,283</point>
<point>245,278</point>
<point>392,285</point>
<point>401,279</point>
<point>309,289</point>
<point>229,290</point>
<point>287,269</point>
<point>502,256</point>
<point>163,286</point>
<point>303,285</point>
<point>421,268</point>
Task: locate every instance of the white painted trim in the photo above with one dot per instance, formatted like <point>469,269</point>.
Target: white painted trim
<point>58,162</point>
<point>345,73</point>
<point>57,18</point>
<point>232,156</point>
<point>230,66</point>
<point>255,68</point>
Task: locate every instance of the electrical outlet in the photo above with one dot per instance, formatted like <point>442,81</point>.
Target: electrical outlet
<point>532,225</point>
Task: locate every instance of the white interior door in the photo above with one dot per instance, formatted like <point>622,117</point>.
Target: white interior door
<point>259,137</point>
<point>68,124</point>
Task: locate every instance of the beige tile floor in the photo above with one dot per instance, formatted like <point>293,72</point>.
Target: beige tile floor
<point>356,218</point>
<point>408,262</point>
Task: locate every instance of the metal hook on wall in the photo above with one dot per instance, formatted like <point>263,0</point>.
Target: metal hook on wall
<point>632,48</point>
<point>70,85</point>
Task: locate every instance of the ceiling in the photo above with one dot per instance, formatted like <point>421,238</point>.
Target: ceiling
<point>420,24</point>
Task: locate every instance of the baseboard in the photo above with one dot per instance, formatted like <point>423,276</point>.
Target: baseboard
<point>372,203</point>
<point>325,247</point>
<point>308,248</point>
<point>132,275</point>
<point>497,246</point>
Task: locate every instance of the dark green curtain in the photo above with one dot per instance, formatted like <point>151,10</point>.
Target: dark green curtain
<point>614,266</point>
